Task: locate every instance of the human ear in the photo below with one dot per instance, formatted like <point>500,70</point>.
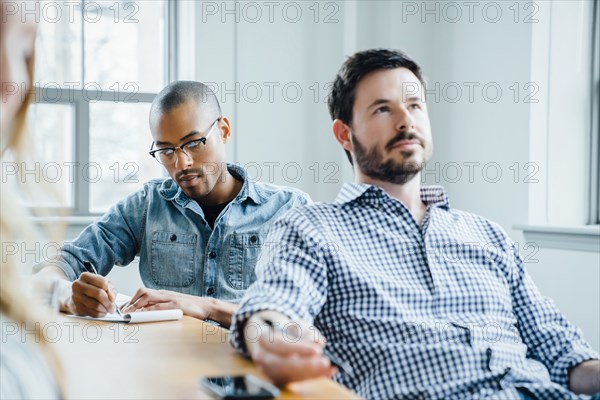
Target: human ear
<point>224,128</point>
<point>341,131</point>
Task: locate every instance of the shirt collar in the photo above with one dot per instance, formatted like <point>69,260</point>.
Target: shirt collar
<point>249,189</point>
<point>170,190</point>
<point>435,196</point>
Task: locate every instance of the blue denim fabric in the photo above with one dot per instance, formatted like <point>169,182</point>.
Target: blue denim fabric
<point>177,249</point>
<point>523,395</point>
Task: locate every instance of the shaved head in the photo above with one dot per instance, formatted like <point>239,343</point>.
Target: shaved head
<point>180,92</point>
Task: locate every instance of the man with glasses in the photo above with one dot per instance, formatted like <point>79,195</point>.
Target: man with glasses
<point>197,233</point>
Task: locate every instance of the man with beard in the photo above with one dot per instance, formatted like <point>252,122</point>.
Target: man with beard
<point>420,300</point>
<point>197,233</point>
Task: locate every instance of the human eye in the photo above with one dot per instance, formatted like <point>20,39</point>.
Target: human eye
<point>169,151</point>
<point>416,106</point>
<point>381,109</point>
<point>194,144</point>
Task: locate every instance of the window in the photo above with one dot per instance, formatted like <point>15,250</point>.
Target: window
<point>564,133</point>
<point>98,66</point>
<point>595,123</point>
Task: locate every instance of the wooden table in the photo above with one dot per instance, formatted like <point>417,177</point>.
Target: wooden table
<point>161,360</point>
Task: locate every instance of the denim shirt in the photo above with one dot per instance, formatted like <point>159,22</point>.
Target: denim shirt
<point>177,248</point>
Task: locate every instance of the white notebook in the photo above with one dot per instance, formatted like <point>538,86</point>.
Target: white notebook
<point>136,317</point>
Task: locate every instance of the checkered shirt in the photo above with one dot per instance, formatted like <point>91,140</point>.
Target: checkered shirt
<point>441,310</point>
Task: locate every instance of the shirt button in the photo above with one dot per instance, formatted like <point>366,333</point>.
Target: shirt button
<point>210,291</point>
<point>253,239</point>
<point>212,254</point>
<point>173,237</point>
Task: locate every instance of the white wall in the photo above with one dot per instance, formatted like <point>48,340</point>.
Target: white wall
<point>278,70</point>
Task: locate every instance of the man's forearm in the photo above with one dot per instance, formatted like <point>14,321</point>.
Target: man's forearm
<point>585,377</point>
<point>222,311</point>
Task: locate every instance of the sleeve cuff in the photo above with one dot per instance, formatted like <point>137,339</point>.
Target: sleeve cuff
<point>560,371</point>
<point>66,268</point>
<point>236,337</point>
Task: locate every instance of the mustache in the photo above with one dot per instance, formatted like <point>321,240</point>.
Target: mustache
<point>403,136</point>
<point>193,171</point>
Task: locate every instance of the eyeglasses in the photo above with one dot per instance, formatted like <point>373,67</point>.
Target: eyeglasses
<point>168,155</point>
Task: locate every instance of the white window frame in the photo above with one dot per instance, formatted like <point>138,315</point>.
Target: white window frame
<point>577,227</point>
<point>79,99</point>
<point>595,123</point>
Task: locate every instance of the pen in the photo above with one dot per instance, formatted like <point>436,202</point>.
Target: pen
<point>89,267</point>
<point>336,361</point>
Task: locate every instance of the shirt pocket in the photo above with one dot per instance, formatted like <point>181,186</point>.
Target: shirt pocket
<point>172,258</point>
<point>244,251</point>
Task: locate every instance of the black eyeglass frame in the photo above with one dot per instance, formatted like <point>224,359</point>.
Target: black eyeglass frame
<point>181,147</point>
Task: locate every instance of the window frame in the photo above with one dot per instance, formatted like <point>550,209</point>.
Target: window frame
<point>582,234</point>
<point>594,182</point>
<point>79,99</point>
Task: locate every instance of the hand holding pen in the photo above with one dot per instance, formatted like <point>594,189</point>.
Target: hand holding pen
<point>110,292</point>
<point>92,294</point>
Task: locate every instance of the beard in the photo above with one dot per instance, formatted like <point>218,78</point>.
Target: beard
<point>371,161</point>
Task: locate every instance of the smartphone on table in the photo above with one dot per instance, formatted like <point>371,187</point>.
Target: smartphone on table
<point>239,387</point>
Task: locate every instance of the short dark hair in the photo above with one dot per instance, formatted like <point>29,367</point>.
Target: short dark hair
<point>343,91</point>
<point>179,92</point>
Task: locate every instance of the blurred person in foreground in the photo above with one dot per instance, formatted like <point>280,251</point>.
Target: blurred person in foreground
<point>422,300</point>
<point>28,369</point>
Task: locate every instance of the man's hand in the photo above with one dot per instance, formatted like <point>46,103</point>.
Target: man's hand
<point>291,355</point>
<point>146,299</point>
<point>585,377</point>
<point>198,307</point>
<point>92,295</point>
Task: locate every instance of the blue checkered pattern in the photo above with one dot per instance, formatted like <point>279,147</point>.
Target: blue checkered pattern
<point>442,310</point>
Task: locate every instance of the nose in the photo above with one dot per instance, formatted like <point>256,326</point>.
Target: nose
<point>182,160</point>
<point>405,120</point>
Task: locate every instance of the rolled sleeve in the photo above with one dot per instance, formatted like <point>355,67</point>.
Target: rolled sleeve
<point>559,372</point>
<point>236,338</point>
<point>71,272</point>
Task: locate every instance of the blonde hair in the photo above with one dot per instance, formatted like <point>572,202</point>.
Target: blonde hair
<point>18,126</point>
<point>16,303</point>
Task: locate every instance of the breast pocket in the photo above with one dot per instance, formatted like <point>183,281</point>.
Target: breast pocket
<point>172,258</point>
<point>244,251</point>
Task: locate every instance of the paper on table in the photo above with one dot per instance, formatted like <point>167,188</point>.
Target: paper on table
<point>136,317</point>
